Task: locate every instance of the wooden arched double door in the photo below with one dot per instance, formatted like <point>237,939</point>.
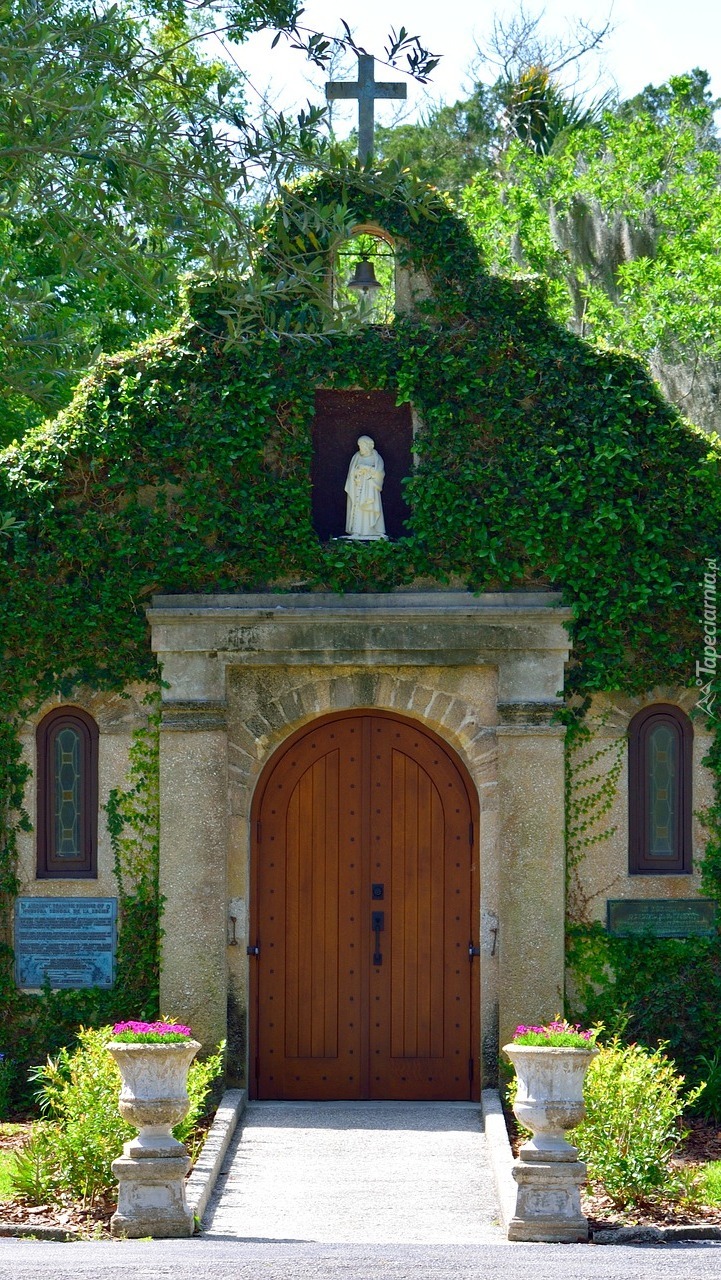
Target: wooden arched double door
<point>365,913</point>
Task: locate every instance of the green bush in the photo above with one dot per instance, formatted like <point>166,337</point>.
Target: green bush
<point>650,990</point>
<point>634,1101</point>
<point>708,1069</point>
<point>709,1190</point>
<point>71,1151</point>
<point>7,1077</point>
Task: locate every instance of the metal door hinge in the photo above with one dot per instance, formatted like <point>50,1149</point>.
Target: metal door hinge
<point>253,951</point>
<point>473,951</point>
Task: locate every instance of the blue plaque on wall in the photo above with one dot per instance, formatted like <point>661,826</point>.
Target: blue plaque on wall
<point>68,942</point>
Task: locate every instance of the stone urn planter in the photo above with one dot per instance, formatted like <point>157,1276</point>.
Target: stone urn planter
<point>151,1171</point>
<point>549,1101</point>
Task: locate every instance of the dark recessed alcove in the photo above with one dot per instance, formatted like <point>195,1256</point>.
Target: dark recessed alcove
<point>340,418</point>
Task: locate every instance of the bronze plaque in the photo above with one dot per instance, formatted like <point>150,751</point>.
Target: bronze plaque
<point>68,942</point>
<point>661,917</point>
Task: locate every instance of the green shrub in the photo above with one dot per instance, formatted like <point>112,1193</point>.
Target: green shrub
<point>71,1151</point>
<point>35,1175</point>
<point>634,1100</point>
<point>649,990</point>
<point>7,1077</point>
<point>709,1189</point>
<point>708,1069</point>
<point>7,1166</point>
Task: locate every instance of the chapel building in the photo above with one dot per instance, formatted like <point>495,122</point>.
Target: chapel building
<point>368,566</point>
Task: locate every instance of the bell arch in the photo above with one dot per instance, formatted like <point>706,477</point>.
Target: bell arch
<point>364,273</point>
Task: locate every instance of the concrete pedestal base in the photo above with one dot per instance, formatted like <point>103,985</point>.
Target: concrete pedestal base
<point>548,1205</point>
<point>151,1197</point>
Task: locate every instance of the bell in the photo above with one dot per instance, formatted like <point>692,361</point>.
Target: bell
<point>363,279</point>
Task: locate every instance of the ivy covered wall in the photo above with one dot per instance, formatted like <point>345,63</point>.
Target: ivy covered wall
<point>184,466</point>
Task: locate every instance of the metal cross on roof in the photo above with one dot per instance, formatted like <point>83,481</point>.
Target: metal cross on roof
<point>366,89</point>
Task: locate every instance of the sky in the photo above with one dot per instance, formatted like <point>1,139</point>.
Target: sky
<point>651,40</point>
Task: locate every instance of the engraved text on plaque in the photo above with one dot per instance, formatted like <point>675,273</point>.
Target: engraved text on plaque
<point>70,942</point>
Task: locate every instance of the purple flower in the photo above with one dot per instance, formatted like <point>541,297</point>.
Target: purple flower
<point>559,1027</point>
<point>159,1028</point>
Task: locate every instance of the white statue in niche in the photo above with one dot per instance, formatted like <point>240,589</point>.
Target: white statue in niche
<point>364,509</point>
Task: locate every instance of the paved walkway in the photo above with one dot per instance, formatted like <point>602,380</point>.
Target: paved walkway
<point>357,1173</point>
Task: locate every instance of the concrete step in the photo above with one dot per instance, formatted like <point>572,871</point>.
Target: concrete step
<point>357,1172</point>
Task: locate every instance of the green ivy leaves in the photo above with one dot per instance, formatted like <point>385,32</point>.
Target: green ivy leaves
<point>185,467</point>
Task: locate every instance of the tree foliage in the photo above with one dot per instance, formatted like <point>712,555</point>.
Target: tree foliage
<point>624,223</point>
<point>127,156</point>
<point>113,171</point>
<point>529,92</point>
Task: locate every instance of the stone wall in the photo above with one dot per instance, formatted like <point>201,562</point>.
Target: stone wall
<point>602,869</point>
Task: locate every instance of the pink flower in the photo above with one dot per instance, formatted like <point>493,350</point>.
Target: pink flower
<point>559,1026</point>
<point>159,1028</point>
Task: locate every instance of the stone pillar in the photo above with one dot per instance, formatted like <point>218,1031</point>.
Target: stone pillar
<point>193,861</point>
<point>533,869</point>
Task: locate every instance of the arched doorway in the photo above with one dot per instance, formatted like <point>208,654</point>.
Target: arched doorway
<point>365,910</point>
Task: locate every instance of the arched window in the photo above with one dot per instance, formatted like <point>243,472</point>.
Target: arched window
<point>660,764</point>
<point>67,806</point>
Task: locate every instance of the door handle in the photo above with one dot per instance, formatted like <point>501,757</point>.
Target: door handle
<point>377,925</point>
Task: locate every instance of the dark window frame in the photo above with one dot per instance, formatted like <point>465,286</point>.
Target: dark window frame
<point>640,861</point>
<point>49,866</point>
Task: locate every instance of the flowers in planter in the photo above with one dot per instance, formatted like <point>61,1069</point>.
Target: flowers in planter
<point>71,1152</point>
<point>150,1033</point>
<point>558,1034</point>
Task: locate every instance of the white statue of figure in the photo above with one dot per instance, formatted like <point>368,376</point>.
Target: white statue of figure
<point>364,510</point>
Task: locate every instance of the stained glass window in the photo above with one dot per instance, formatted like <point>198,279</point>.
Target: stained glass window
<point>67,794</point>
<point>68,749</point>
<point>660,746</point>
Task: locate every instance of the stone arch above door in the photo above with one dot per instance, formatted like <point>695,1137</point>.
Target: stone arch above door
<point>271,709</point>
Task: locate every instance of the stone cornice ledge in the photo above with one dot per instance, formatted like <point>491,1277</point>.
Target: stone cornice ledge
<point>402,604</point>
<point>440,628</point>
